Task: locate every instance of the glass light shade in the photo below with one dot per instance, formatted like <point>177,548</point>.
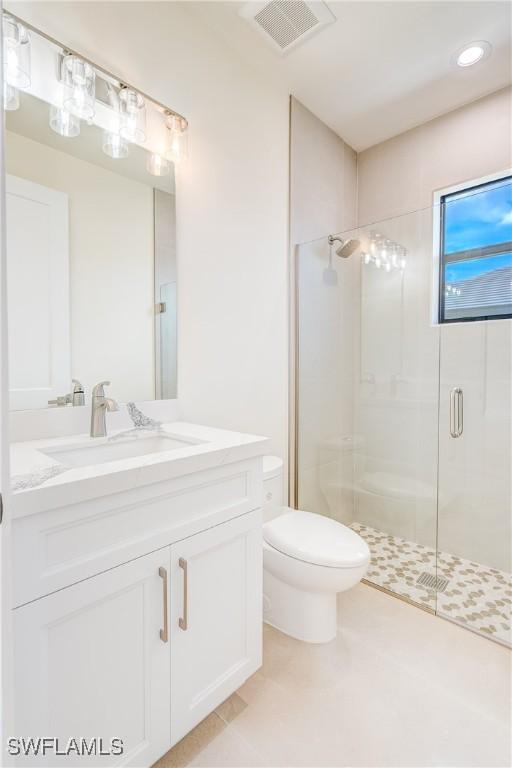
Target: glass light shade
<point>132,108</point>
<point>16,53</point>
<point>11,98</point>
<point>178,141</point>
<point>79,79</point>
<point>114,145</point>
<point>64,122</point>
<point>158,165</point>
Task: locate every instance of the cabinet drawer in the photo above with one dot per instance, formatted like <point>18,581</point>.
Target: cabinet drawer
<point>62,546</point>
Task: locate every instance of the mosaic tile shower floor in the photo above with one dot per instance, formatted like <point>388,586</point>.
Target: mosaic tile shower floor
<point>475,594</point>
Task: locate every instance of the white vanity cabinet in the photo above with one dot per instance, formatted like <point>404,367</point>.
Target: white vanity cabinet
<point>145,648</point>
<point>90,662</point>
<point>216,618</point>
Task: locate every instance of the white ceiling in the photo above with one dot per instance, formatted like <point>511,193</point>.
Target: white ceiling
<point>382,67</point>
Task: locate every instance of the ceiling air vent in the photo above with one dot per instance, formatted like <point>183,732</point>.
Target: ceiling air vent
<point>287,23</point>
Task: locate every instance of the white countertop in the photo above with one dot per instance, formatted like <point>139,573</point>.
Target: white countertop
<point>213,448</point>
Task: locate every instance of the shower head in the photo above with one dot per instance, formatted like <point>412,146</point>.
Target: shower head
<point>346,247</point>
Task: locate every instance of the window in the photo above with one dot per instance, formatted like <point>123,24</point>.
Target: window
<point>475,272</point>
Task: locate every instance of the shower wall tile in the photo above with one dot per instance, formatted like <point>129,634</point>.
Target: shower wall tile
<point>389,178</point>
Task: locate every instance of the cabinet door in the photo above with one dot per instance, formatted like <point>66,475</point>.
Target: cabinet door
<point>90,662</point>
<point>216,583</point>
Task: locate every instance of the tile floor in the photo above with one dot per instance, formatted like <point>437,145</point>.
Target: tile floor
<point>476,595</point>
<point>398,687</point>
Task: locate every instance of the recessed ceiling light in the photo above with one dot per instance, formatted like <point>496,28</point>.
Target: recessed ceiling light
<point>473,53</point>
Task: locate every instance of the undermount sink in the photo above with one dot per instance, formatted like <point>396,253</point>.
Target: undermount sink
<point>89,453</point>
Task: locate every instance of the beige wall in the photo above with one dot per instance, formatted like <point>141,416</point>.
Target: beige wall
<point>323,178</point>
<point>401,174</point>
<point>110,266</point>
<point>231,201</point>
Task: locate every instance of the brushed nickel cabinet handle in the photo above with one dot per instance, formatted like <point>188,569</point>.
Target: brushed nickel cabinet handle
<point>164,633</point>
<point>456,412</point>
<point>183,621</point>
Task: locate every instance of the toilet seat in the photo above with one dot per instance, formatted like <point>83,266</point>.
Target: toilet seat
<point>316,540</point>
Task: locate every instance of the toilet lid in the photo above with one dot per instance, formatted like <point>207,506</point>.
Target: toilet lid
<point>316,539</point>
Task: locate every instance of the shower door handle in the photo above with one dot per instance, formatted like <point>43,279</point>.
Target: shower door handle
<point>456,412</point>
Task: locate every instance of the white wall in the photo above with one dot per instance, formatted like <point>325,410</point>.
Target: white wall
<point>323,180</point>
<point>110,266</point>
<point>231,201</point>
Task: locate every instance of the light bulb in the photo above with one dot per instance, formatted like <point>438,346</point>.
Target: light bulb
<point>387,266</point>
<point>16,40</point>
<point>11,97</point>
<point>114,145</point>
<point>132,109</point>
<point>178,128</point>
<point>158,165</point>
<point>470,56</point>
<point>79,79</point>
<point>63,122</point>
<point>366,258</point>
<point>402,263</point>
<point>377,262</point>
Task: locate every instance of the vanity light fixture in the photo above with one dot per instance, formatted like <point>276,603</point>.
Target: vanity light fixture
<point>79,82</point>
<point>113,143</point>
<point>63,122</point>
<point>132,107</point>
<point>178,141</point>
<point>16,52</point>
<point>158,165</point>
<point>473,53</point>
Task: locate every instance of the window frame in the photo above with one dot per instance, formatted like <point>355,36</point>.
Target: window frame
<point>440,257</point>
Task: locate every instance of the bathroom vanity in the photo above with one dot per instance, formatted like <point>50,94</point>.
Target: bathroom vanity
<point>136,585</point>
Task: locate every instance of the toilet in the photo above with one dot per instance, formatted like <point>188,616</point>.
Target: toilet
<point>307,560</point>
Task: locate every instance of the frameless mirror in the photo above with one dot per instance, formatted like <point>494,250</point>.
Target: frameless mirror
<point>91,255</point>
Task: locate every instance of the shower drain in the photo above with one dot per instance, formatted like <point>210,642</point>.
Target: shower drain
<point>431,581</point>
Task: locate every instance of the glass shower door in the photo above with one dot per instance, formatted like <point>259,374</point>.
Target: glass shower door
<point>474,525</point>
<point>368,379</point>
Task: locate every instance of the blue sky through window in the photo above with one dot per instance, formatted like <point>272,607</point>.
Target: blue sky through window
<point>474,219</point>
<point>478,218</point>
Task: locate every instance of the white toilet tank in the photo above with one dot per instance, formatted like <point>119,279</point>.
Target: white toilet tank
<point>272,487</point>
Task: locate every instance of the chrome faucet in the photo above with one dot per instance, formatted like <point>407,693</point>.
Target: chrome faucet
<point>99,407</point>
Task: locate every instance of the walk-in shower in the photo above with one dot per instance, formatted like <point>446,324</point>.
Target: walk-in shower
<point>403,415</point>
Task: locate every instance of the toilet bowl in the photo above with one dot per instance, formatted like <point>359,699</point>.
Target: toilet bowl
<point>307,560</point>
